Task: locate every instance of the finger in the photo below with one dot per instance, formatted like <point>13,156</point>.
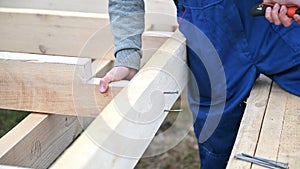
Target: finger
<point>275,14</point>
<point>297,18</point>
<point>284,19</point>
<point>104,84</point>
<point>268,14</point>
<point>114,74</point>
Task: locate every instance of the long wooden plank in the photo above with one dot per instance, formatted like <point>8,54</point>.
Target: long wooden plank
<point>166,7</point>
<point>279,135</point>
<point>58,33</point>
<point>269,140</point>
<point>11,167</point>
<point>39,139</point>
<point>289,149</point>
<point>249,130</point>
<point>50,84</point>
<point>54,32</point>
<point>128,124</point>
<point>91,6</point>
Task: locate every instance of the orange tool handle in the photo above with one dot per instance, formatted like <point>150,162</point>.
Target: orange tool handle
<point>260,9</point>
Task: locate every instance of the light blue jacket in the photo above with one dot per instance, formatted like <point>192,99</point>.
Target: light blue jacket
<point>127,26</point>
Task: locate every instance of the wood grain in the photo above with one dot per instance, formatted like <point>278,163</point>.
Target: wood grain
<point>39,139</point>
<point>250,126</point>
<point>39,85</point>
<point>125,131</point>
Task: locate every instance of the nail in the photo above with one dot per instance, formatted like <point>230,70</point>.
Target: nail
<point>178,110</point>
<point>176,92</point>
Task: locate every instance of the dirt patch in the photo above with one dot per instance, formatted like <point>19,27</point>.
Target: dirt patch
<point>183,155</point>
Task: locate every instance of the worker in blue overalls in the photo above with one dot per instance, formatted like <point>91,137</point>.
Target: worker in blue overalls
<point>227,50</point>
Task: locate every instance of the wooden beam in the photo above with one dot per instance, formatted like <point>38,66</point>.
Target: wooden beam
<point>121,133</point>
<point>50,84</point>
<point>11,167</point>
<point>54,32</point>
<point>249,130</point>
<point>90,6</point>
<point>270,131</point>
<point>58,33</point>
<point>165,7</point>
<point>288,150</point>
<point>101,66</point>
<point>39,139</point>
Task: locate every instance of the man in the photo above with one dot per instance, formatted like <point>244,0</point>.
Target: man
<point>246,46</point>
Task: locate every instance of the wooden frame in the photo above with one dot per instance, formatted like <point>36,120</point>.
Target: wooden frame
<point>56,34</point>
<point>171,53</point>
<point>45,83</point>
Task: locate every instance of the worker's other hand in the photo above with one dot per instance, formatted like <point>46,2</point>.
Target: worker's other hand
<point>116,74</point>
<point>278,16</point>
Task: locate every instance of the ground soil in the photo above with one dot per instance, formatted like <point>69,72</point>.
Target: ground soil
<point>183,156</point>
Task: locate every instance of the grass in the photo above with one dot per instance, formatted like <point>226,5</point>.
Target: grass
<point>9,119</point>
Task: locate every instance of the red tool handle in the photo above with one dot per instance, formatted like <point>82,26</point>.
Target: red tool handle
<point>260,9</point>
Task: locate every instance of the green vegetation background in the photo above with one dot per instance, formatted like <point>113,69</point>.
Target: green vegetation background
<point>10,118</point>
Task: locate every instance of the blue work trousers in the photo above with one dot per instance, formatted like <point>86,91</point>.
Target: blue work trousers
<point>227,50</point>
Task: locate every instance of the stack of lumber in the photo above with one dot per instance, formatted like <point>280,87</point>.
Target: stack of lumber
<point>52,54</point>
<point>269,128</point>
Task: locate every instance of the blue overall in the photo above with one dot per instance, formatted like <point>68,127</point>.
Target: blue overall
<point>244,47</point>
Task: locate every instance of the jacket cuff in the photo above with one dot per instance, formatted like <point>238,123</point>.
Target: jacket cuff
<point>128,58</point>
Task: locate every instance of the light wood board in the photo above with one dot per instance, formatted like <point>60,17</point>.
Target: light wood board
<point>59,32</point>
<point>39,139</point>
<point>274,134</point>
<point>249,130</point>
<point>50,85</point>
<point>125,133</point>
<point>279,138</point>
<point>166,7</point>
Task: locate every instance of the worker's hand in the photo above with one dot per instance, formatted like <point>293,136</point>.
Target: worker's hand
<point>286,2</point>
<point>278,16</point>
<point>116,74</point>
